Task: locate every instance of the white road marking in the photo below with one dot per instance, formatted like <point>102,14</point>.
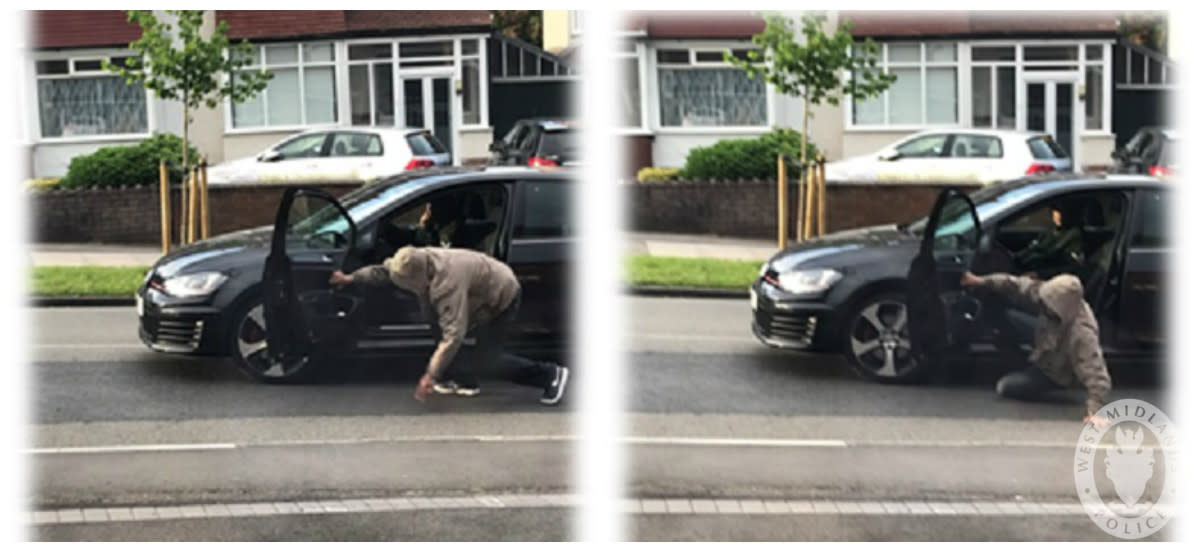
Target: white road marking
<point>180,447</point>
<point>293,507</point>
<point>883,507</point>
<point>90,346</point>
<point>681,337</point>
<point>735,442</point>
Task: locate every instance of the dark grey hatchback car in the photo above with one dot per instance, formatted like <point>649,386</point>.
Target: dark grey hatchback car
<point>889,298</point>
<point>262,295</point>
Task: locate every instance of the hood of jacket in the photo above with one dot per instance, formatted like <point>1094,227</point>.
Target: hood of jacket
<point>411,268</point>
<point>1062,295</point>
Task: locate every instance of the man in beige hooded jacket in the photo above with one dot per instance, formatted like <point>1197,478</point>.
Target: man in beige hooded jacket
<point>1066,340</point>
<point>465,290</point>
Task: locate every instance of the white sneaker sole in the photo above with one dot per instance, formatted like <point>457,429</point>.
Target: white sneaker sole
<point>562,388</point>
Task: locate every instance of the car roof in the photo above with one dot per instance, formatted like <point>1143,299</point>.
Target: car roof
<point>450,175</point>
<point>1071,181</point>
<point>550,123</point>
<point>387,131</point>
<point>1000,132</point>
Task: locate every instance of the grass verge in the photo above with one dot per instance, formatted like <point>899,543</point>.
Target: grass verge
<point>646,270</point>
<point>94,281</point>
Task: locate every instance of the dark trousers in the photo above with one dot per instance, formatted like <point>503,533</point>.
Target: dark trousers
<point>488,356</point>
<point>1029,383</point>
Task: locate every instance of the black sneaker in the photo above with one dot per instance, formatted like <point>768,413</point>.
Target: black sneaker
<point>451,387</point>
<point>554,391</point>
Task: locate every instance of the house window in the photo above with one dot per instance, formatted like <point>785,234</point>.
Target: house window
<point>925,91</point>
<point>471,81</point>
<point>696,88</point>
<point>77,97</point>
<point>303,90</point>
<point>993,87</point>
<point>629,86</point>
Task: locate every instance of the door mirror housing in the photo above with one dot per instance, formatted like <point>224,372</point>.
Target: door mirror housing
<point>270,156</point>
<point>889,155</point>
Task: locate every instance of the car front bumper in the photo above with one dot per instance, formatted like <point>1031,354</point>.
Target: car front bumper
<point>788,323</point>
<point>175,328</point>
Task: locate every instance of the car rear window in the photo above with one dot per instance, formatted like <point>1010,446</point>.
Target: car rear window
<point>1044,147</point>
<point>558,143</point>
<point>423,143</point>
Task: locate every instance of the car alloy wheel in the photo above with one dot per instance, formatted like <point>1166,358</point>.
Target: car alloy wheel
<point>879,345</point>
<point>251,349</point>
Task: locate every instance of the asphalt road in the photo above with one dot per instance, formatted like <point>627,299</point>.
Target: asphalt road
<point>117,428</point>
<point>716,415</point>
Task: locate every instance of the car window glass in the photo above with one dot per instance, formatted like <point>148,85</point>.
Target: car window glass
<point>545,212</point>
<point>424,143</point>
<point>955,229</point>
<point>468,218</point>
<point>1150,228</point>
<point>976,146</point>
<point>309,145</point>
<point>515,135</point>
<point>1074,234</point>
<point>1044,147</point>
<point>528,140</point>
<point>559,144</point>
<point>923,146</point>
<point>356,144</point>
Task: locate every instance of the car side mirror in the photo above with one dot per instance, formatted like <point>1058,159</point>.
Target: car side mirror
<point>889,155</point>
<point>270,156</point>
<point>496,147</point>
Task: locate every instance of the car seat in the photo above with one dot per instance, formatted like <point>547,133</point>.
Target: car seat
<point>960,149</point>
<point>339,148</point>
<point>475,228</point>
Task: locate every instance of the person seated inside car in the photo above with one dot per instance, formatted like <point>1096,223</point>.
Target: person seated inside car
<point>1059,249</point>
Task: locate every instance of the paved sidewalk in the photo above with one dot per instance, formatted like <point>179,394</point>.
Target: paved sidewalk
<point>692,245</point>
<point>92,254</point>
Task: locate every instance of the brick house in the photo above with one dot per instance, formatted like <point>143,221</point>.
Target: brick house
<point>1068,74</point>
<point>387,68</point>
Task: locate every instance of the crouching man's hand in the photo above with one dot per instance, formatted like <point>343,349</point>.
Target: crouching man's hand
<point>424,388</point>
<point>339,279</point>
<point>969,279</point>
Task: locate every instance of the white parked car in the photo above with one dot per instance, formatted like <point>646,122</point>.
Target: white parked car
<point>956,156</point>
<point>344,154</point>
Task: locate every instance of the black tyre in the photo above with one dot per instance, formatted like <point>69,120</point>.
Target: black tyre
<point>248,348</point>
<point>877,342</point>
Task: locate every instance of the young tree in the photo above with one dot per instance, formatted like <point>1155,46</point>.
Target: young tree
<point>813,69</point>
<point>177,63</point>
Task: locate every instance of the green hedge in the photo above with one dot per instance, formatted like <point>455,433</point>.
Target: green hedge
<point>752,158</point>
<point>134,165</point>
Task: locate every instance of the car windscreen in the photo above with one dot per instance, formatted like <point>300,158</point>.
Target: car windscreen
<point>360,204</point>
<point>1044,147</point>
<point>560,144</point>
<point>424,143</point>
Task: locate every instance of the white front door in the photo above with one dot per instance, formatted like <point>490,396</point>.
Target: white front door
<point>1052,105</point>
<point>428,101</point>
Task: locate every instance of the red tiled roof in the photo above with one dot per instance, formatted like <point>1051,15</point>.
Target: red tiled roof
<point>737,24</point>
<point>961,23</point>
<point>258,24</point>
<point>82,28</point>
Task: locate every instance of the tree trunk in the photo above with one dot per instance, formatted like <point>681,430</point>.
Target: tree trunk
<point>183,185</point>
<point>802,188</point>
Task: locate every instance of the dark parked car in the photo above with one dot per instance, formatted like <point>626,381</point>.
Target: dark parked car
<point>208,298</point>
<point>1152,151</point>
<point>888,297</point>
<point>538,143</point>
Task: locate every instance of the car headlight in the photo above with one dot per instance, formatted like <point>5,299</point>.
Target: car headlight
<point>194,285</point>
<point>764,268</point>
<point>809,281</point>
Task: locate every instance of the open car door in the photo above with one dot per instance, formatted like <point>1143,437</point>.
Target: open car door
<point>305,316</point>
<point>949,244</point>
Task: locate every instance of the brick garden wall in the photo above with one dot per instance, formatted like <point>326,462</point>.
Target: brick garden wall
<point>130,215</point>
<point>748,208</point>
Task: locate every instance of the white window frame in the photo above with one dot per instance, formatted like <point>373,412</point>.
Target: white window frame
<point>299,65</point>
<point>965,65</point>
<point>922,64</point>
<point>655,114</point>
<point>341,63</point>
<point>639,54</point>
<point>34,118</point>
